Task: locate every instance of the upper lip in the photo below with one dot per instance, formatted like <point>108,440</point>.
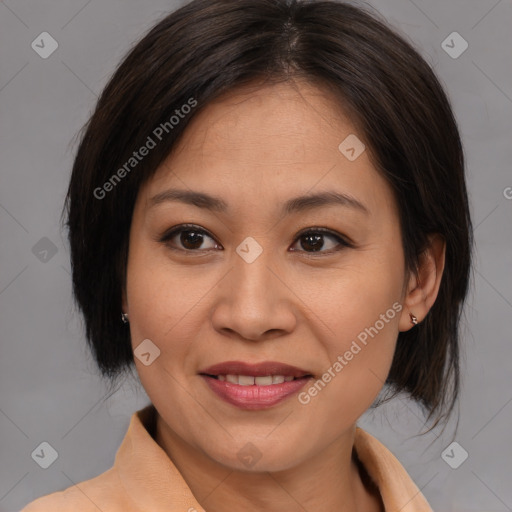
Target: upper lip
<point>255,370</point>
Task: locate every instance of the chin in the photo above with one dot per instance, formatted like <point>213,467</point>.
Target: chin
<point>258,455</point>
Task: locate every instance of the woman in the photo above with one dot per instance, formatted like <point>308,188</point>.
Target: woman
<point>268,218</point>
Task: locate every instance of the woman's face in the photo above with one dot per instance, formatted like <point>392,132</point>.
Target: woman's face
<point>246,283</point>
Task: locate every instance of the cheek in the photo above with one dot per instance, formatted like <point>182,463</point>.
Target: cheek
<point>166,304</point>
<point>360,312</point>
<point>354,297</point>
<point>360,357</point>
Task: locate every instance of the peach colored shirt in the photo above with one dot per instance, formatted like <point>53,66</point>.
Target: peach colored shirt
<point>144,479</point>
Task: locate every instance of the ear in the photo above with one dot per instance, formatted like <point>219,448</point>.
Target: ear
<point>423,288</point>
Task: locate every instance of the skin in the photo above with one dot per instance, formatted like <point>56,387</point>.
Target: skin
<point>255,148</point>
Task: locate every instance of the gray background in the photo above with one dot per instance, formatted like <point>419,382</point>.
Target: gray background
<point>49,387</point>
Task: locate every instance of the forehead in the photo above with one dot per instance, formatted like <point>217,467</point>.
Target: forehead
<point>270,143</point>
<point>248,119</point>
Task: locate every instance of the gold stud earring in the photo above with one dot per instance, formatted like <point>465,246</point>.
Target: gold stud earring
<point>414,320</point>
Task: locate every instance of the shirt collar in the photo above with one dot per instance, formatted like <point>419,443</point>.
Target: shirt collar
<point>154,483</point>
<point>398,491</point>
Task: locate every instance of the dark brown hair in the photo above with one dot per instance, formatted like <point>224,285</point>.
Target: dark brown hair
<point>208,47</point>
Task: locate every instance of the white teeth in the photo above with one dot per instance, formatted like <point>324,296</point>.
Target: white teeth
<point>245,380</point>
<point>263,381</point>
<point>249,380</point>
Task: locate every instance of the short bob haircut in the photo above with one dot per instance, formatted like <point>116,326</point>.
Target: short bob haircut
<point>208,47</point>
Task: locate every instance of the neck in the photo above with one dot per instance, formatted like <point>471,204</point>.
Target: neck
<point>333,480</point>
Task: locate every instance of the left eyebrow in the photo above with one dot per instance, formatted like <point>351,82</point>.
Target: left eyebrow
<point>309,202</point>
<point>296,204</point>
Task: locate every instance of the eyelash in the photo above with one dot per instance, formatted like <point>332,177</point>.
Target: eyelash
<point>343,241</point>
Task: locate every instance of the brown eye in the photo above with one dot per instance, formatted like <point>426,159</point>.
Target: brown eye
<point>191,239</point>
<point>188,238</point>
<point>313,240</point>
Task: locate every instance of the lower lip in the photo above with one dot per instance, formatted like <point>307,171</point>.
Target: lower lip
<point>254,397</point>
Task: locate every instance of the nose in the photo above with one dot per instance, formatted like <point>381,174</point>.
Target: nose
<point>254,301</point>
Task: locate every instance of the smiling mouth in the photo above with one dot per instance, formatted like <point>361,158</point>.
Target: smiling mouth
<point>254,392</point>
<point>254,386</point>
<point>251,380</point>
